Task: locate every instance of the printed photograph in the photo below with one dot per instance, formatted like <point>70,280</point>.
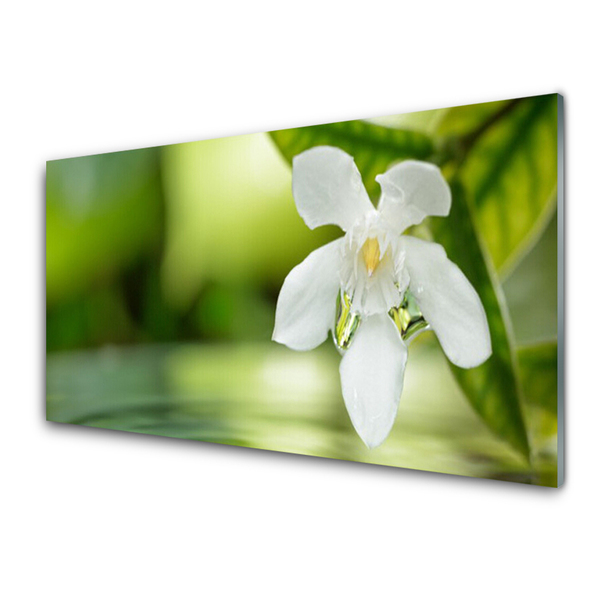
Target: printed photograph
<point>381,290</point>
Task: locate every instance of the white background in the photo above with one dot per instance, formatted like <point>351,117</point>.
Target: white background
<point>95,514</point>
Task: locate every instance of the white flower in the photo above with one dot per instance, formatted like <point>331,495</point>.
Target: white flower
<point>375,266</point>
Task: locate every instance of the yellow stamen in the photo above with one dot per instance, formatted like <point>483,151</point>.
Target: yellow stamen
<point>371,254</point>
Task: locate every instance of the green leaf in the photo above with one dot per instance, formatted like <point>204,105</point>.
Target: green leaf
<point>373,147</point>
<point>538,367</point>
<point>493,389</point>
<point>508,164</point>
<point>463,121</point>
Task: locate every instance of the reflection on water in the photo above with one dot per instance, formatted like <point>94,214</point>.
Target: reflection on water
<point>269,397</point>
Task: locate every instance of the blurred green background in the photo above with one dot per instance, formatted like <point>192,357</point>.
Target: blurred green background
<point>164,266</point>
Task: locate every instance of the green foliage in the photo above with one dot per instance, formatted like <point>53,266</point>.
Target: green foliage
<point>538,368</point>
<point>373,147</point>
<point>537,363</point>
<point>506,156</point>
<point>460,121</point>
<point>493,387</point>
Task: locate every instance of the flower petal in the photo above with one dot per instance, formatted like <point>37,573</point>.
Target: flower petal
<point>328,188</point>
<point>449,303</point>
<point>307,301</point>
<point>372,373</point>
<point>411,191</point>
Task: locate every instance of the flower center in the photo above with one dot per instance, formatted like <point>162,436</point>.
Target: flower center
<point>371,255</point>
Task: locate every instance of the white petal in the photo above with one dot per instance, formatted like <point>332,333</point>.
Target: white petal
<point>449,303</point>
<point>307,301</point>
<point>328,188</point>
<point>411,191</point>
<point>372,373</point>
